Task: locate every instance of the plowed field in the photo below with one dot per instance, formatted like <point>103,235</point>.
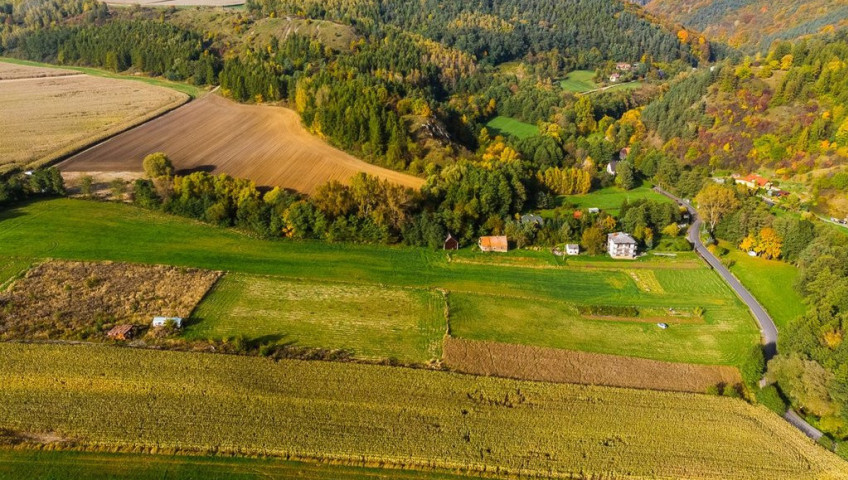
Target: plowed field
<point>263,143</point>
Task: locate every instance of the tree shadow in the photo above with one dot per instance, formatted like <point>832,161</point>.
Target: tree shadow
<point>198,168</point>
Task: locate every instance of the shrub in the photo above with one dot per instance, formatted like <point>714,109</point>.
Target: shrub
<point>730,391</point>
<point>771,398</point>
<point>157,165</point>
<point>712,390</point>
<point>85,185</point>
<point>754,366</point>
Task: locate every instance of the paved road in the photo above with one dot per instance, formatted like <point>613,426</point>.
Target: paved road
<point>768,330</point>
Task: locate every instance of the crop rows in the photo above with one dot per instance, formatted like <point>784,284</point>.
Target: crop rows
<point>371,414</point>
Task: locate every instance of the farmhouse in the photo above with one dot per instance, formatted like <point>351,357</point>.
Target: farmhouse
<point>753,181</point>
<point>493,244</point>
<point>121,332</point>
<point>623,66</point>
<point>451,243</point>
<point>572,249</point>
<point>621,245</point>
<point>614,77</point>
<point>163,321</point>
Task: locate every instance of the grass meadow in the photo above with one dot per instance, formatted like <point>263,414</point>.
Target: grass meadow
<point>371,322</point>
<point>511,126</point>
<point>73,465</point>
<point>507,297</point>
<point>164,401</point>
<point>579,81</point>
<point>772,282</point>
<point>610,199</point>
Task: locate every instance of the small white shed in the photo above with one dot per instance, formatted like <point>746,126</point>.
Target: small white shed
<point>163,321</point>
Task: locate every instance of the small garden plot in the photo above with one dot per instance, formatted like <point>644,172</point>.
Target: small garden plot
<point>81,299</point>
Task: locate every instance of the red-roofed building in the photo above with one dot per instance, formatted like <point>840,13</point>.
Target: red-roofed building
<point>754,181</point>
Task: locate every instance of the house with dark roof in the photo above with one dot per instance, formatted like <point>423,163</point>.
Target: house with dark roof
<point>451,243</point>
<point>621,245</point>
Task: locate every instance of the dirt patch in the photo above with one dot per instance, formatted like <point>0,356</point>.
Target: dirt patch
<point>565,366</point>
<point>265,144</point>
<point>61,300</point>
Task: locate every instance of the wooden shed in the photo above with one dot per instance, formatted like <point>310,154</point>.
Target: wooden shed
<point>451,243</point>
<point>121,332</point>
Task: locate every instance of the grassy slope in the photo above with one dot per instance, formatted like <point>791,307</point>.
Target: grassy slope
<point>143,398</point>
<point>772,282</point>
<point>186,88</point>
<point>579,81</point>
<point>511,126</point>
<point>97,231</point>
<point>610,199</point>
<point>369,321</point>
<point>58,465</point>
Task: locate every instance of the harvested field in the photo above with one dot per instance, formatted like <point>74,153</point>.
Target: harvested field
<point>146,400</point>
<point>46,117</point>
<point>11,71</point>
<point>178,3</point>
<point>76,299</point>
<point>565,366</point>
<point>263,143</point>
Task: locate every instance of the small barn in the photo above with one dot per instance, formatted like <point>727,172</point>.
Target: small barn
<point>451,243</point>
<point>159,322</point>
<point>121,332</point>
<point>572,249</point>
<point>494,244</point>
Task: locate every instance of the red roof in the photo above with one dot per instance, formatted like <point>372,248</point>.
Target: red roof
<point>754,178</point>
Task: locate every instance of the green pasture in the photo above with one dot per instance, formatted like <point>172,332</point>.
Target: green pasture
<point>511,126</point>
<point>369,321</point>
<point>772,282</point>
<point>579,81</point>
<point>507,297</point>
<point>610,199</point>
<point>67,465</point>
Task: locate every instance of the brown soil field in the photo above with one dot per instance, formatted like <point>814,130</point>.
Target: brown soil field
<point>265,144</point>
<point>565,366</point>
<point>45,118</point>
<point>78,299</point>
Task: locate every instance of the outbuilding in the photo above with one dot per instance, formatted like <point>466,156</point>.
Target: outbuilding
<point>494,244</point>
<point>121,332</point>
<point>164,321</point>
<point>451,243</point>
<point>572,249</point>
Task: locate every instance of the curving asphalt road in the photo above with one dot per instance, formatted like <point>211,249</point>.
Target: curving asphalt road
<point>768,330</point>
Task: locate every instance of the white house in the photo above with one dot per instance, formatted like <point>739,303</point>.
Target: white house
<point>163,321</point>
<point>612,166</point>
<point>621,245</point>
<point>614,77</point>
<point>572,249</point>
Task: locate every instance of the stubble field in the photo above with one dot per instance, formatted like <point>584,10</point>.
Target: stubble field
<point>265,144</point>
<point>366,414</point>
<point>50,113</point>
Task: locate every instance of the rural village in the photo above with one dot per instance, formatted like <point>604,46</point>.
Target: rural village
<point>384,239</point>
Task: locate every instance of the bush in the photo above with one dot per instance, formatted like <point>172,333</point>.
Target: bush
<point>157,165</point>
<point>712,390</point>
<point>754,366</point>
<point>608,310</point>
<point>772,399</point>
<point>730,391</point>
<point>842,449</point>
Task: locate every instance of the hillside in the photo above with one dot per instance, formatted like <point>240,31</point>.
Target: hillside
<point>754,24</point>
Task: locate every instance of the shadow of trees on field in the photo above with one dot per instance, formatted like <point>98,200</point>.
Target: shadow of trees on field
<point>199,168</point>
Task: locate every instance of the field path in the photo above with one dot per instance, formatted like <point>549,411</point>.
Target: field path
<point>767,326</point>
<point>266,144</point>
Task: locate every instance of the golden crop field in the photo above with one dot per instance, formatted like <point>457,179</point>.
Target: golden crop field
<point>47,115</point>
<point>266,144</point>
<point>111,397</point>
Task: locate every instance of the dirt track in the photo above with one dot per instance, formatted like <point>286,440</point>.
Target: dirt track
<point>265,144</point>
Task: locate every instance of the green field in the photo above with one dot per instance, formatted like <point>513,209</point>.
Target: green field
<point>83,230</point>
<point>371,322</point>
<point>579,81</point>
<point>70,465</point>
<point>188,89</point>
<point>772,282</point>
<point>511,126</point>
<point>165,401</point>
<point>610,199</point>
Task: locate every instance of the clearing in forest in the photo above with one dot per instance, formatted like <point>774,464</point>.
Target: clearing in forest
<point>50,113</point>
<point>266,144</point>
